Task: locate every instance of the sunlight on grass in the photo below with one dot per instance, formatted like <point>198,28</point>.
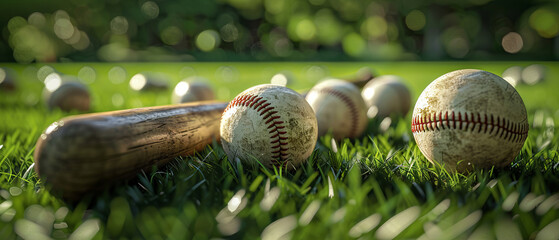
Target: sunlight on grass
<point>398,223</point>
<point>376,186</point>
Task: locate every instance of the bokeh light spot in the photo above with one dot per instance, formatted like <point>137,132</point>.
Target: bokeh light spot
<point>458,47</point>
<point>354,45</point>
<point>37,19</point>
<point>374,26</point>
<point>305,29</point>
<point>119,25</point>
<point>61,14</point>
<point>171,35</point>
<point>512,42</point>
<point>53,81</point>
<point>533,74</point>
<point>117,75</point>
<point>117,99</point>
<point>283,47</point>
<point>274,7</point>
<point>545,22</point>
<point>187,72</point>
<point>279,79</point>
<point>43,72</point>
<point>16,23</point>
<point>227,74</point>
<point>82,43</point>
<point>208,40</point>
<point>138,81</point>
<point>315,73</point>
<point>229,32</point>
<point>63,28</point>
<point>328,27</point>
<point>415,20</point>
<point>513,75</point>
<point>150,9</point>
<point>181,88</point>
<point>87,75</point>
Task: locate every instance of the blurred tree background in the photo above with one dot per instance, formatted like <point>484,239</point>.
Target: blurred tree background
<point>291,30</point>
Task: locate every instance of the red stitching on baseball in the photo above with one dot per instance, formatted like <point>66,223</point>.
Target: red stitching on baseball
<point>501,127</point>
<point>350,105</point>
<point>268,113</point>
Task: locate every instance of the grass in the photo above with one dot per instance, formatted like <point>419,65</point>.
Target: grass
<point>379,186</point>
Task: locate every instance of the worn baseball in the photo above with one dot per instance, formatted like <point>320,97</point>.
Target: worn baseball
<point>192,89</point>
<point>470,119</point>
<point>386,96</point>
<point>149,81</point>
<point>66,93</point>
<point>339,109</point>
<point>269,124</point>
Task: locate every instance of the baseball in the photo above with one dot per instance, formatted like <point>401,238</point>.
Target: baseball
<point>339,109</point>
<point>470,119</point>
<point>148,82</point>
<point>66,93</point>
<point>386,96</point>
<point>269,124</point>
<point>192,89</point>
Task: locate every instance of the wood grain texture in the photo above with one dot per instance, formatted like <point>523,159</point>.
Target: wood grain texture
<point>84,154</point>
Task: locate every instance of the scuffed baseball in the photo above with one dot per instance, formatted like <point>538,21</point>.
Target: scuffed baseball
<point>470,119</point>
<point>269,124</point>
<point>192,89</point>
<point>66,93</point>
<point>339,109</point>
<point>148,81</point>
<point>386,96</point>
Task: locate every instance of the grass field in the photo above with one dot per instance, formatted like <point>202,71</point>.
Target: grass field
<point>379,186</point>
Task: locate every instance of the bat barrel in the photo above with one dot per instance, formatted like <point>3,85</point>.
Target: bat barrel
<point>86,153</point>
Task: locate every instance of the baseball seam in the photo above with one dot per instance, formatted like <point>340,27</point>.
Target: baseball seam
<point>352,108</point>
<point>275,126</point>
<point>497,126</point>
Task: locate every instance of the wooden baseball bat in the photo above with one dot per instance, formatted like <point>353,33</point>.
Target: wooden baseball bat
<point>84,154</point>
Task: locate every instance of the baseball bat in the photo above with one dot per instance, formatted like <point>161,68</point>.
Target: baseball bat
<point>84,154</point>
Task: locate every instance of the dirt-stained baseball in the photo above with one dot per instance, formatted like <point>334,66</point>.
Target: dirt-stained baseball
<point>386,96</point>
<point>269,124</point>
<point>339,108</point>
<point>470,119</point>
<point>192,89</point>
<point>66,93</point>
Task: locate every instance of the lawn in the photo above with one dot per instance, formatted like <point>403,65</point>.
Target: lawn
<point>379,186</point>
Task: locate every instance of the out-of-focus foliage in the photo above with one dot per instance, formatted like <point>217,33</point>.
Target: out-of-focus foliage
<point>153,30</point>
